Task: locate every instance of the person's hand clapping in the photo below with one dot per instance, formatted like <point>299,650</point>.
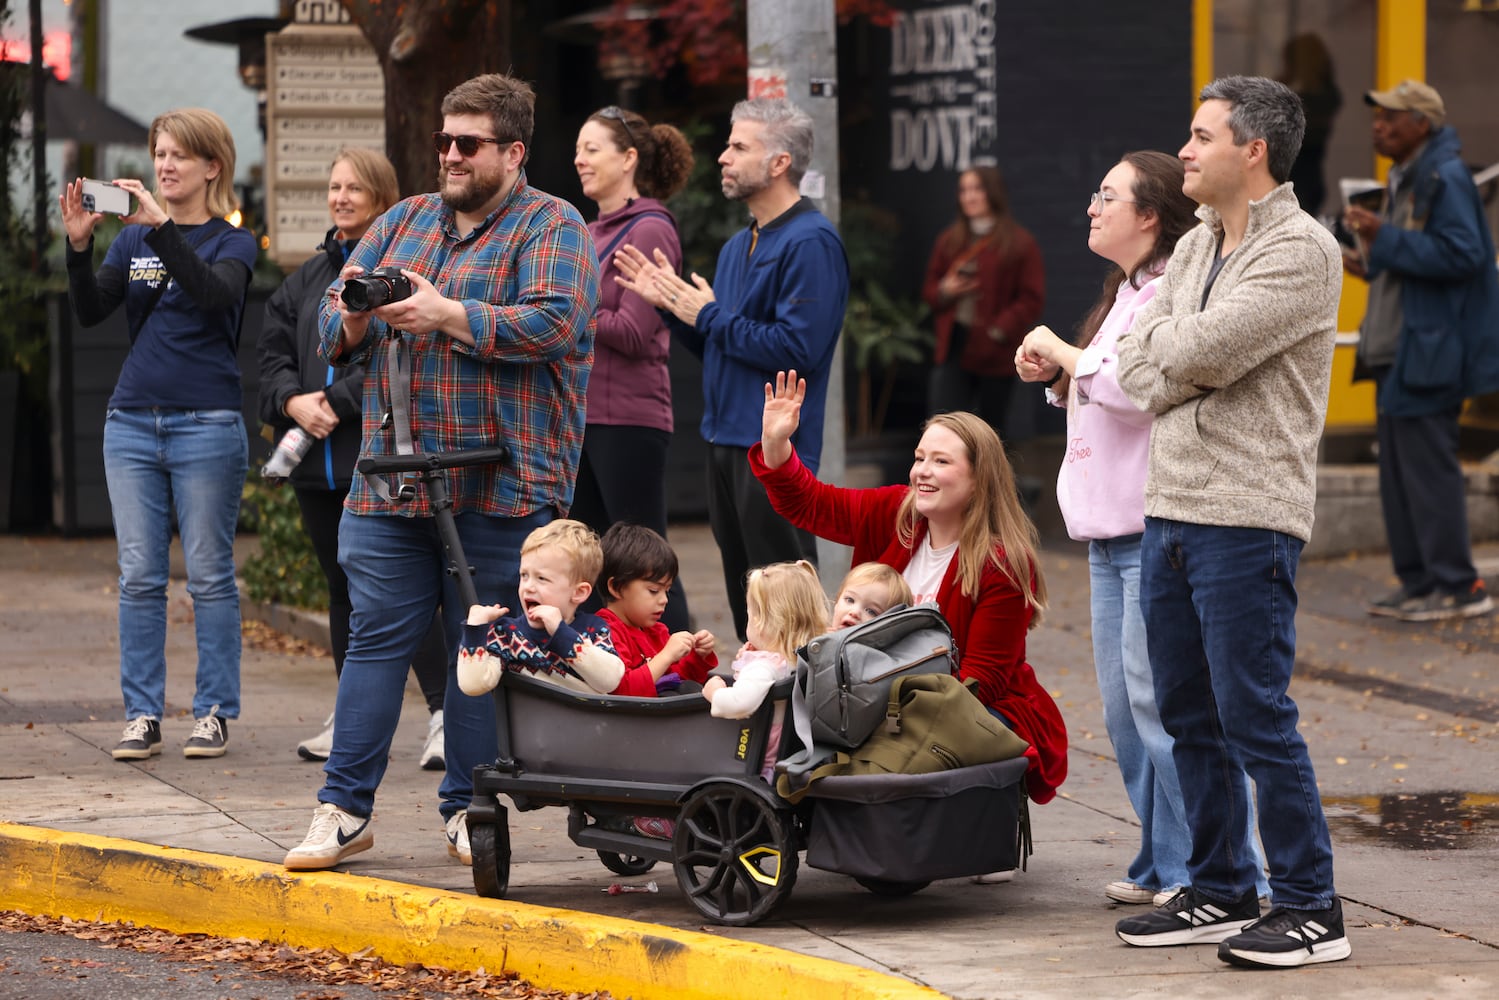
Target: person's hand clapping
<point>658,283</point>
<point>781,417</point>
<point>638,274</point>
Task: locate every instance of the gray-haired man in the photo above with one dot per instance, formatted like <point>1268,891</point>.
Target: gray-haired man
<point>776,303</point>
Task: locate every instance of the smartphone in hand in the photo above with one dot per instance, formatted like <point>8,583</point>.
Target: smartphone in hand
<point>101,196</point>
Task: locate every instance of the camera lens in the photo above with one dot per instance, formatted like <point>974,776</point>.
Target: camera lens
<point>364,293</point>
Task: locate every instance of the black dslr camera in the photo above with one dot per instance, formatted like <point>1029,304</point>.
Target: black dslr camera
<point>376,288</point>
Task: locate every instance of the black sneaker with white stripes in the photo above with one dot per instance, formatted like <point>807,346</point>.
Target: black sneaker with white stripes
<point>1284,939</point>
<point>1189,918</point>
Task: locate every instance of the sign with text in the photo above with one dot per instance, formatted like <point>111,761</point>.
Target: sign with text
<point>942,87</point>
<point>324,91</point>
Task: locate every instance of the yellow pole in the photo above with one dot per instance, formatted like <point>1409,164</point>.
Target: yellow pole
<point>1399,54</point>
<point>1202,48</point>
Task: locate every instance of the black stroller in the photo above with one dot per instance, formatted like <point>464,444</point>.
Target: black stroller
<point>737,844</point>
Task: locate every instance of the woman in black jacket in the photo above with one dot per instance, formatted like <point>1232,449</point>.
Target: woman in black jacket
<point>300,389</point>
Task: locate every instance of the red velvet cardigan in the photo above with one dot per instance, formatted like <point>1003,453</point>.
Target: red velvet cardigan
<point>989,630</point>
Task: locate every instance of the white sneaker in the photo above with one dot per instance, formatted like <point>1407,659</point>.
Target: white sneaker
<point>432,752</point>
<point>995,878</point>
<point>457,831</point>
<point>334,835</point>
<point>319,746</point>
<point>1124,891</point>
<point>1164,896</point>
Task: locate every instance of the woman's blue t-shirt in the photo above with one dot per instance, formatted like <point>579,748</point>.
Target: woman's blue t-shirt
<point>184,358</point>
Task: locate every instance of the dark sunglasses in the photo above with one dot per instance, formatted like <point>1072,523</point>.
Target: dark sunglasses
<point>468,145</point>
<point>614,113</point>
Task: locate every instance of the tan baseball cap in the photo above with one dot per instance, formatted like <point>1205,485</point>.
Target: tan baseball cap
<point>1411,95</point>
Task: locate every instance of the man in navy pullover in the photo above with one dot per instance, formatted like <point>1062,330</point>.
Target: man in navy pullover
<point>776,303</point>
<point>1428,340</point>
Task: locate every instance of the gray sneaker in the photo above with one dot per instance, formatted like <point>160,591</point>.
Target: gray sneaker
<point>140,740</point>
<point>1390,604</point>
<point>210,736</point>
<point>1439,606</point>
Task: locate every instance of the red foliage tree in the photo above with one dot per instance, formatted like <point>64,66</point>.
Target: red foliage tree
<point>705,37</point>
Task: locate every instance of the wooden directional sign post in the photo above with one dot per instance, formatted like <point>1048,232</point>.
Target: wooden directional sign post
<point>325,90</point>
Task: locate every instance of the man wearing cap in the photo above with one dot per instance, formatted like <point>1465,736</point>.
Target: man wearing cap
<point>1429,340</point>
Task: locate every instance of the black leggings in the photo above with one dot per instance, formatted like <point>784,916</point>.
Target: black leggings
<point>622,477</point>
<point>321,512</point>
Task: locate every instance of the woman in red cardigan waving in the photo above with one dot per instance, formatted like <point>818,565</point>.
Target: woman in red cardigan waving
<point>958,535</point>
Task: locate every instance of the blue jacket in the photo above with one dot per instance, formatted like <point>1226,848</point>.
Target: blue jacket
<point>776,308</point>
<point>1449,290</point>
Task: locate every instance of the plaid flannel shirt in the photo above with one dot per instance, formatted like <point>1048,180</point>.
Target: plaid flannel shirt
<point>529,282</point>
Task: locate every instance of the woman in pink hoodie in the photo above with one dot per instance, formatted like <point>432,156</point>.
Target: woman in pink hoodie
<point>1135,218</point>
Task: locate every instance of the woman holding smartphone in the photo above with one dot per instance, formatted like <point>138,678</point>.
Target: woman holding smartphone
<point>174,437</point>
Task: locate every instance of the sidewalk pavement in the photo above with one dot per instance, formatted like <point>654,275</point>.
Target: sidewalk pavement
<point>1402,720</point>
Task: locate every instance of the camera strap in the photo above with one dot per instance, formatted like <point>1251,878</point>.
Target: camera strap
<point>397,416</point>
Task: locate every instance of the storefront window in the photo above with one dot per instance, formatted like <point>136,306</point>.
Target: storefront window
<point>1323,50</point>
<point>1462,38</point>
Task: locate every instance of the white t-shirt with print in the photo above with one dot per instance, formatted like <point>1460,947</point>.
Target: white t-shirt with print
<point>926,569</point>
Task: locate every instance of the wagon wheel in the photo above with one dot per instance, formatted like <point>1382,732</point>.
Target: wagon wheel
<point>490,844</point>
<point>885,887</point>
<point>626,864</point>
<point>733,854</point>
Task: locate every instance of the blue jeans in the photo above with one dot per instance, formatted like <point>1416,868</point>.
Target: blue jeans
<point>193,462</point>
<point>1220,613</point>
<point>1143,749</point>
<point>397,580</point>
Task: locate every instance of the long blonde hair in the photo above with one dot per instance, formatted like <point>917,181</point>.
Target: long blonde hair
<point>995,527</point>
<point>787,599</point>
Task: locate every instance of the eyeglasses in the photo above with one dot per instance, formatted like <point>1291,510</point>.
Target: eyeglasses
<point>615,113</point>
<point>1100,198</point>
<point>468,145</point>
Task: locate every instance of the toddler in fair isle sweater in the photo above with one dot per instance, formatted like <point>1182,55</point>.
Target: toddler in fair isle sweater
<point>549,639</point>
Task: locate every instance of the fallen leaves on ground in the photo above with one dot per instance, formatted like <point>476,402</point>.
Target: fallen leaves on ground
<point>323,965</point>
<point>259,635</point>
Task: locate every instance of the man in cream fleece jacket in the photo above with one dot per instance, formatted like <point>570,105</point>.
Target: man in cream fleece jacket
<point>1234,356</point>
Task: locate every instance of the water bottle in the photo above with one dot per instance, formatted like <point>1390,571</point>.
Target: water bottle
<point>288,453</point>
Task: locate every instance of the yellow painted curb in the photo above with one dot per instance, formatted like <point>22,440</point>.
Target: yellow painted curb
<point>188,892</point>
